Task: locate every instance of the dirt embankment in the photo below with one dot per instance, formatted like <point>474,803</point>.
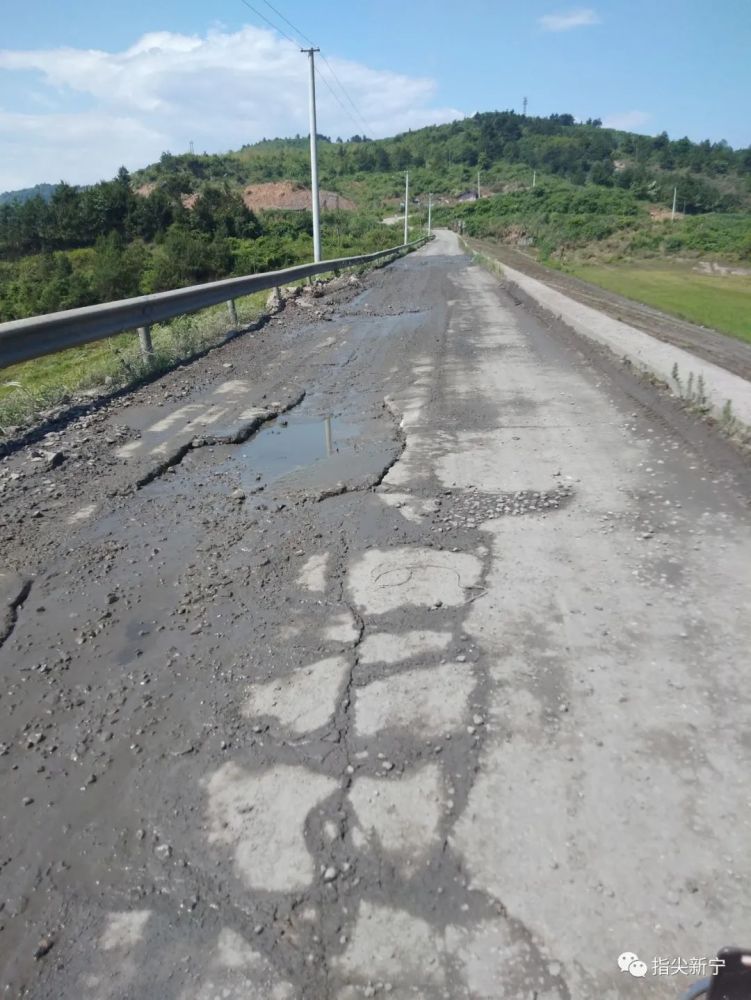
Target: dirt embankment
<point>275,194</point>
<point>733,355</point>
<point>293,197</point>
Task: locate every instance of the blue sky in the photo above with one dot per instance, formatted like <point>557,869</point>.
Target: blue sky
<point>85,86</point>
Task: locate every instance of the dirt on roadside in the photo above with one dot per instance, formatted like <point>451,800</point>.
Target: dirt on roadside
<point>711,345</point>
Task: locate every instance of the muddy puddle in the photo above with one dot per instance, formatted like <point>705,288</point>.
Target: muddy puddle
<point>298,451</point>
<point>291,444</point>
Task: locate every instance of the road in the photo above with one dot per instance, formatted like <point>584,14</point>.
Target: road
<point>727,352</point>
<point>398,649</point>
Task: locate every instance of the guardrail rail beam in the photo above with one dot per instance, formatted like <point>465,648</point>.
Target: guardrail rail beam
<point>25,339</point>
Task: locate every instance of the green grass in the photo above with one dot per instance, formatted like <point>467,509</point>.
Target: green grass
<point>28,388</point>
<point>720,301</point>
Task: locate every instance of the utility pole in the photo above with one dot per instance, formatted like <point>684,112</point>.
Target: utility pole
<point>675,198</point>
<point>534,178</point>
<point>478,184</point>
<point>524,105</point>
<point>406,208</point>
<point>430,212</point>
<point>314,196</point>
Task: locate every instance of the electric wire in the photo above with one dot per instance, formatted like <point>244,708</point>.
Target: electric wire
<point>304,37</point>
<point>336,97</point>
<point>296,44</point>
<point>270,23</point>
<point>345,92</point>
<point>286,20</point>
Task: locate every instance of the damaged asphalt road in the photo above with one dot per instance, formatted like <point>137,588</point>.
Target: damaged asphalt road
<point>395,649</point>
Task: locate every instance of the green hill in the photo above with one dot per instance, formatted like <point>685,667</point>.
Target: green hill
<point>44,191</point>
<point>504,146</point>
<point>549,183</point>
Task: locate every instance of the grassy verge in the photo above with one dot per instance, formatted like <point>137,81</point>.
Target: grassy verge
<point>30,388</point>
<point>720,301</point>
<point>34,388</point>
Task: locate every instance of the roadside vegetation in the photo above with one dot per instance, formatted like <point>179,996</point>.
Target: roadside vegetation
<point>720,301</point>
<point>40,387</point>
<point>578,196</point>
<point>108,242</point>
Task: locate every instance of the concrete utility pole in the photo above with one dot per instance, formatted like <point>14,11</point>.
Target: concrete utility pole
<point>534,178</point>
<point>675,198</point>
<point>406,208</point>
<point>430,212</point>
<point>314,196</point>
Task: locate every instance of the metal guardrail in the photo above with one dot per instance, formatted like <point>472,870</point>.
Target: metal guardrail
<point>24,339</point>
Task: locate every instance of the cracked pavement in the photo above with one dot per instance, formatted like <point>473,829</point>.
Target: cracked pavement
<point>394,649</point>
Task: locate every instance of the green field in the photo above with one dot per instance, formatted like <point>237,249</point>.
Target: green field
<point>720,301</point>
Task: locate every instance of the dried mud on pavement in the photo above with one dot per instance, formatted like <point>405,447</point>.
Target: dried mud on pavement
<point>395,649</point>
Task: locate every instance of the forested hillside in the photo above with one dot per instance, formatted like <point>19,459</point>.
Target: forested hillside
<point>712,176</point>
<point>547,182</point>
<point>41,190</point>
<point>108,241</point>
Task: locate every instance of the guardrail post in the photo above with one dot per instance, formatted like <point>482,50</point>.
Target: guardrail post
<point>232,310</point>
<point>147,348</point>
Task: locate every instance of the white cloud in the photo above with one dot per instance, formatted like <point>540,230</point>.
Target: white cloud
<point>219,91</point>
<point>626,120</point>
<point>578,18</point>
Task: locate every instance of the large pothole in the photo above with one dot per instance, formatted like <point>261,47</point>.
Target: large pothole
<point>310,451</point>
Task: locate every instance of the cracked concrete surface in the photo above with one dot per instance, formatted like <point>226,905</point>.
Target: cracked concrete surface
<point>303,701</point>
<point>14,590</point>
<point>402,817</point>
<point>384,580</point>
<point>431,701</point>
<point>455,712</point>
<point>262,818</point>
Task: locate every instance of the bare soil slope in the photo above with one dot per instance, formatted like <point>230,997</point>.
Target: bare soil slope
<point>286,195</point>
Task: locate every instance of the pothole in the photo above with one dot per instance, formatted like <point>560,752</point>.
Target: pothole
<point>305,452</point>
<point>290,444</point>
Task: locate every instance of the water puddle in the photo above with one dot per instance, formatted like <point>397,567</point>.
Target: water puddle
<point>290,444</point>
<point>300,450</point>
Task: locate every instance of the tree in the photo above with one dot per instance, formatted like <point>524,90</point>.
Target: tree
<point>117,268</point>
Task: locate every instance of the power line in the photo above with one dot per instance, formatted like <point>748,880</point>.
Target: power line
<point>286,20</point>
<point>270,23</point>
<point>304,37</point>
<point>344,91</point>
<point>336,97</point>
